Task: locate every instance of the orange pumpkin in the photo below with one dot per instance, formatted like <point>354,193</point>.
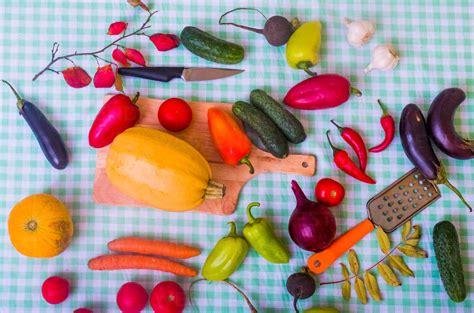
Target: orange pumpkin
<point>40,226</point>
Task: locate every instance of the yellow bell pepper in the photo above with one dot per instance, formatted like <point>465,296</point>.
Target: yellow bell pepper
<point>302,49</point>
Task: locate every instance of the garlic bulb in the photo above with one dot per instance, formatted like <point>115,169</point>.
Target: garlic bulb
<point>384,57</point>
<point>359,32</point>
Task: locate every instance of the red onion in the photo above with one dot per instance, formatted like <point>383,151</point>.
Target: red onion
<point>312,226</point>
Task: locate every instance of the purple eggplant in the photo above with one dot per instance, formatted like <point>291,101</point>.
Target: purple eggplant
<point>441,126</point>
<point>47,136</point>
<point>417,146</point>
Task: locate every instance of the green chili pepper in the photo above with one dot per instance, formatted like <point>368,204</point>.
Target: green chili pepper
<point>226,256</point>
<point>260,235</point>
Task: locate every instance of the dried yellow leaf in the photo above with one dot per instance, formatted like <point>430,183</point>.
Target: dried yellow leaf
<point>388,275</point>
<point>135,3</point>
<point>412,251</point>
<point>353,262</point>
<point>345,271</point>
<point>412,242</point>
<point>416,232</point>
<point>384,241</point>
<point>398,263</point>
<point>406,230</point>
<point>118,82</point>
<point>346,290</point>
<point>360,289</point>
<point>372,286</point>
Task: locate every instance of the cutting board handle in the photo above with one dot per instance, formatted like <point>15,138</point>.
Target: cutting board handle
<point>320,261</point>
<point>300,164</point>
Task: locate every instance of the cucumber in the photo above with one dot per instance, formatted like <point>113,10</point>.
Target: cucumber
<point>269,133</point>
<point>286,122</point>
<point>448,257</point>
<point>211,48</point>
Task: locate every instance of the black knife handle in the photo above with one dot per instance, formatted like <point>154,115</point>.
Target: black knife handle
<point>162,74</point>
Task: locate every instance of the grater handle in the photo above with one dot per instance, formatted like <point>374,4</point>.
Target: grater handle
<point>320,261</point>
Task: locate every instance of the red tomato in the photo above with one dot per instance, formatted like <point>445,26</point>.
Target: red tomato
<point>168,297</point>
<point>55,289</point>
<point>132,298</point>
<point>329,192</point>
<point>175,114</point>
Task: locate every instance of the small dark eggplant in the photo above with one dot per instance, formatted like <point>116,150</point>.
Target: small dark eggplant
<point>417,147</point>
<point>47,136</point>
<point>441,125</point>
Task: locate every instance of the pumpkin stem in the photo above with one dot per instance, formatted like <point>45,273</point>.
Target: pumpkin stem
<point>31,225</point>
<point>214,190</point>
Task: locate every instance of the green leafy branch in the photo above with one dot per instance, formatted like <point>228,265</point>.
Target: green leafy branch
<point>385,266</point>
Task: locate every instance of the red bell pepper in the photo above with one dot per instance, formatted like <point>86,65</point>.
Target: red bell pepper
<point>229,139</point>
<point>117,115</point>
<point>320,92</point>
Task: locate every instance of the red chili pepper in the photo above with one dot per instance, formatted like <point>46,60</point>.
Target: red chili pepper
<point>355,140</point>
<point>117,115</point>
<point>229,139</point>
<point>344,163</point>
<point>388,125</point>
<point>320,92</point>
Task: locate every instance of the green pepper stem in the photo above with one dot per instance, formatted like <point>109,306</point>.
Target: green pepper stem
<point>305,65</point>
<point>135,99</point>
<point>339,127</point>
<point>233,230</point>
<point>356,91</point>
<point>19,101</point>
<point>443,179</point>
<point>245,160</point>
<point>249,212</point>
<point>334,148</point>
<point>383,107</point>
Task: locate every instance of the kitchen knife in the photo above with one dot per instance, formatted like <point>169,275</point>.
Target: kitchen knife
<point>165,74</point>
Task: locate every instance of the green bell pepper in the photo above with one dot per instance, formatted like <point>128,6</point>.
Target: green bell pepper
<point>260,235</point>
<point>226,257</point>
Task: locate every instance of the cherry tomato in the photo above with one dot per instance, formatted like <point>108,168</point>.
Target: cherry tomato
<point>168,297</point>
<point>55,289</point>
<point>175,114</point>
<point>132,298</point>
<point>329,192</point>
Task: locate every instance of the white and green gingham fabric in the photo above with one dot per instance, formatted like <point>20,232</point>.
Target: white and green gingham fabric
<point>435,40</point>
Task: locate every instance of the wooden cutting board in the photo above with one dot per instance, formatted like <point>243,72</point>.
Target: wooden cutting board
<point>197,134</point>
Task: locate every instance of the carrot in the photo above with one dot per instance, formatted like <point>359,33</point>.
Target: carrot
<point>150,246</point>
<point>109,262</point>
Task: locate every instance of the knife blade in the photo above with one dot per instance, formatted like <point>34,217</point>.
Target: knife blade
<point>165,74</point>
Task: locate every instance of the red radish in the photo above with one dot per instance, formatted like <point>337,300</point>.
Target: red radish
<point>135,56</point>
<point>83,310</point>
<point>132,298</point>
<point>175,114</point>
<point>76,77</point>
<point>168,297</point>
<point>117,28</point>
<point>329,192</point>
<point>164,42</point>
<point>55,289</point>
<point>104,77</point>
<point>119,56</point>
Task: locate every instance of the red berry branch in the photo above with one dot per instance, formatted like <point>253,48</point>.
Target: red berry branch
<point>76,77</point>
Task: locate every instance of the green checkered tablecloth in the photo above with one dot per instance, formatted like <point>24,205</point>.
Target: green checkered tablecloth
<point>435,40</point>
